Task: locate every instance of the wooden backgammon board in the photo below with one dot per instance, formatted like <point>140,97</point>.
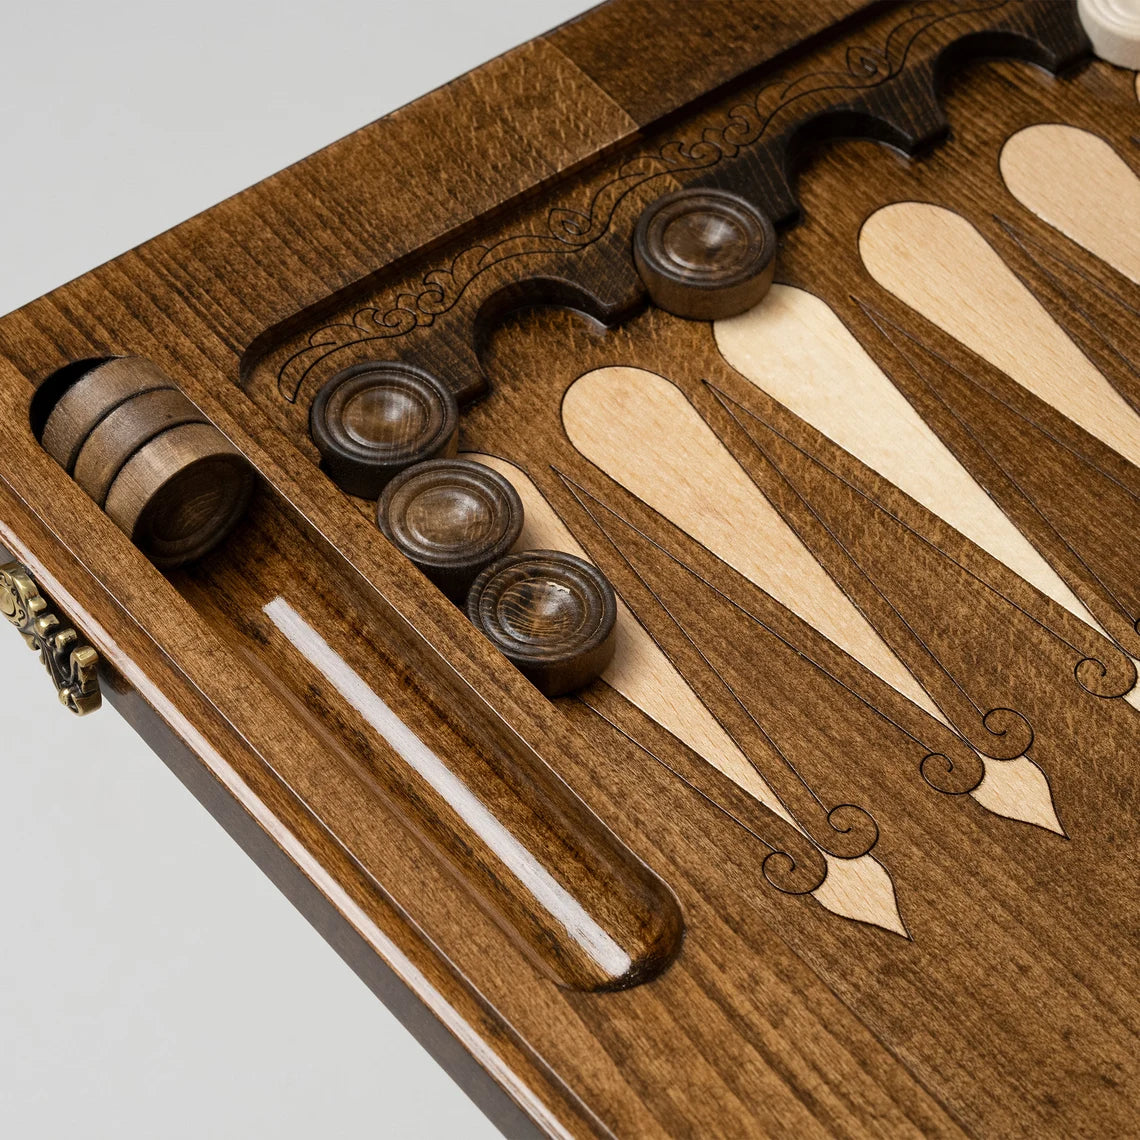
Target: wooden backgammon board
<point>641,546</point>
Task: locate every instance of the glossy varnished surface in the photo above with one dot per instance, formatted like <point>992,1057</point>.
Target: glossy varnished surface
<point>704,254</point>
<point>371,422</point>
<point>589,914</point>
<point>550,613</point>
<point>860,696</point>
<point>451,518</point>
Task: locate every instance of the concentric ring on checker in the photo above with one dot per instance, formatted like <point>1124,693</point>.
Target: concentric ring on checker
<point>551,613</point>
<point>451,517</point>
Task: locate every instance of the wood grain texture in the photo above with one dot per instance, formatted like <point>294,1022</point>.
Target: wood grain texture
<point>144,453</point>
<point>699,47</point>
<point>371,422</point>
<point>939,264</point>
<point>124,431</point>
<point>472,951</point>
<point>640,671</point>
<point>836,649</point>
<point>573,247</point>
<point>715,627</point>
<point>1100,210</point>
<point>798,350</point>
<point>549,613</point>
<point>1064,488</point>
<point>452,518</point>
<point>703,254</point>
<point>91,398</point>
<point>667,456</point>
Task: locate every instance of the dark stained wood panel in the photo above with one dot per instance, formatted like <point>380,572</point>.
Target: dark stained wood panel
<point>652,61</point>
<point>842,841</point>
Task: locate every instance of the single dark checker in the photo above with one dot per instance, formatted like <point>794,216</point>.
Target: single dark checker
<point>451,517</point>
<point>705,254</point>
<point>372,421</point>
<point>551,613</point>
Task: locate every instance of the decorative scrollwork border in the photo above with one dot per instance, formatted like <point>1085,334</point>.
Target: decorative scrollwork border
<point>570,230</point>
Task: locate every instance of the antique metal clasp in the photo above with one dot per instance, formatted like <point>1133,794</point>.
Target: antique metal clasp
<point>71,662</point>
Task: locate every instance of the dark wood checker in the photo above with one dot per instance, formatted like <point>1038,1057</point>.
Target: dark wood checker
<point>843,842</point>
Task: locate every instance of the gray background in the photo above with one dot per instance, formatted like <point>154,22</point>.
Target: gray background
<point>152,982</point>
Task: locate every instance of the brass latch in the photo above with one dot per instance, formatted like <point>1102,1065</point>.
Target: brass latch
<point>71,662</point>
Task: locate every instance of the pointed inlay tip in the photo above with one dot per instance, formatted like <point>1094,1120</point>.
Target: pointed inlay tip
<point>1018,789</point>
<point>861,889</point>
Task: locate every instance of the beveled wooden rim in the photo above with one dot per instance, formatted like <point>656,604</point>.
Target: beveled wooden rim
<point>240,246</point>
<point>559,566</point>
<point>475,476</point>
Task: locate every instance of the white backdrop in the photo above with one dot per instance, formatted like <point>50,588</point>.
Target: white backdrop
<point>152,982</point>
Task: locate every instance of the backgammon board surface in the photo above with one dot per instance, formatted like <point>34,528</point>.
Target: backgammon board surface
<point>804,342</point>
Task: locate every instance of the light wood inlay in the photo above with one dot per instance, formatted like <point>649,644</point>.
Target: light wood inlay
<point>1014,1012</point>
<point>1078,183</point>
<point>1018,789</point>
<point>642,431</point>
<point>795,348</point>
<point>546,892</point>
<point>935,261</point>
<point>854,888</point>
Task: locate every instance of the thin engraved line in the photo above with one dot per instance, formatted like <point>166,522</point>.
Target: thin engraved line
<point>728,733</point>
<point>922,538</point>
<point>724,400</point>
<point>684,779</point>
<point>716,673</point>
<point>1023,242</point>
<point>759,621</point>
<point>875,316</point>
<point>430,282</point>
<point>644,628</point>
<point>879,321</point>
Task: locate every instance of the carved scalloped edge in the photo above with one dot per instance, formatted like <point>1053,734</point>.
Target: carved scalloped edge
<point>885,91</point>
